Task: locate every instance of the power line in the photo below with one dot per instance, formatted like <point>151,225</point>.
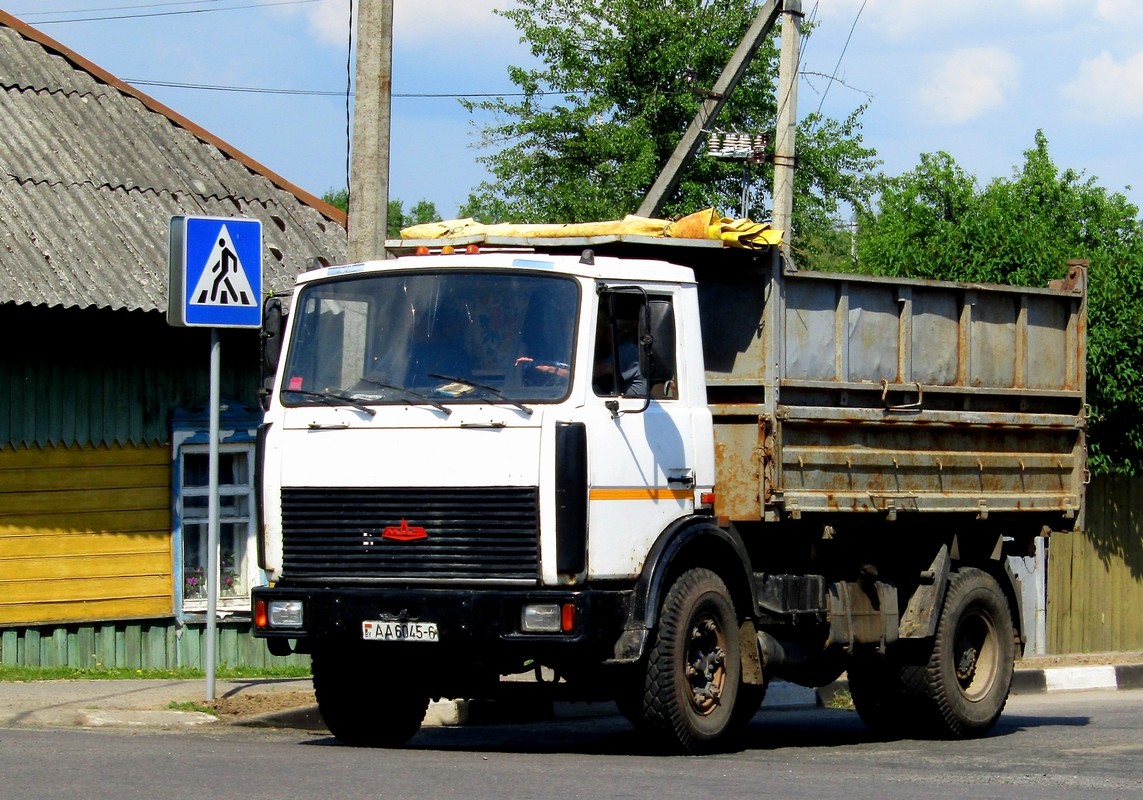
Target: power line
<point>245,89</point>
<point>118,8</point>
<point>842,56</point>
<point>170,13</point>
<point>326,92</point>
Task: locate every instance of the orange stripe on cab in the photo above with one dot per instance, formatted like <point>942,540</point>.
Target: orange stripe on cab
<point>641,493</point>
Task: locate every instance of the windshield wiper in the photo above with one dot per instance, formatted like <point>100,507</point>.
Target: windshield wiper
<point>496,393</point>
<point>334,399</point>
<point>410,393</point>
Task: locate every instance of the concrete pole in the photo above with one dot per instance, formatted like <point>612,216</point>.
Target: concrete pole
<point>369,167</point>
<point>787,124</point>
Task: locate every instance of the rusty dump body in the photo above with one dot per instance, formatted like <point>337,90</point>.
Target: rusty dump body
<point>842,394</point>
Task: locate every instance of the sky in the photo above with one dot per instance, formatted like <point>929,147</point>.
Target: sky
<point>973,78</point>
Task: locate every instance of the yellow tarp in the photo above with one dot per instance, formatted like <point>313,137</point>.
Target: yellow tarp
<point>705,224</point>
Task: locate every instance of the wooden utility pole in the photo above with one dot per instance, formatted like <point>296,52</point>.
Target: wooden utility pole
<point>787,125</point>
<point>668,179</point>
<point>369,168</point>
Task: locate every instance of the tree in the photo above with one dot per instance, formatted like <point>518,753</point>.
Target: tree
<point>396,218</point>
<point>934,222</point>
<point>620,81</point>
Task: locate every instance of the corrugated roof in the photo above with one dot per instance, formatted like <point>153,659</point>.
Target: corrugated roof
<point>91,170</point>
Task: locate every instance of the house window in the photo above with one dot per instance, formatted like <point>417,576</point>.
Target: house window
<point>236,530</point>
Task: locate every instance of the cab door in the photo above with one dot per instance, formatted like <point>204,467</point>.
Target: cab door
<point>641,431</point>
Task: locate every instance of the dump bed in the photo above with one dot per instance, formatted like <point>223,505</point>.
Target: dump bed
<point>847,393</point>
<point>842,394</point>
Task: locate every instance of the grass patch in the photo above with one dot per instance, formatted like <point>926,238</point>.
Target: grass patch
<point>841,699</point>
<point>189,705</point>
<point>9,672</point>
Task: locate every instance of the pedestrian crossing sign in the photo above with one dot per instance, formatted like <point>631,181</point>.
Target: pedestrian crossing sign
<point>215,272</point>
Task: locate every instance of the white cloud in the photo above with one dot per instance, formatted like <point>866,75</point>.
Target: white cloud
<point>1119,11</point>
<point>330,20</point>
<point>1106,90</point>
<point>445,21</point>
<point>414,21</point>
<point>968,83</point>
<point>898,18</point>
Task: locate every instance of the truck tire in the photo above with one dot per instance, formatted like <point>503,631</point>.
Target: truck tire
<point>969,671</point>
<point>879,694</point>
<point>363,702</point>
<point>693,668</point>
<point>750,699</point>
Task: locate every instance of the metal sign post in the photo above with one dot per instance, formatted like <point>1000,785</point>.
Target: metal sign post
<point>215,281</point>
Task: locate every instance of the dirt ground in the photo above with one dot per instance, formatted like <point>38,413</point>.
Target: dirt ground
<point>1081,660</point>
<point>248,704</point>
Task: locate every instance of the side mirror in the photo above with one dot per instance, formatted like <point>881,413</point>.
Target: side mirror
<point>661,328</point>
<point>272,323</point>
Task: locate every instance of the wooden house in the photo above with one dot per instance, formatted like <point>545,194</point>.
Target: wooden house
<point>103,422</point>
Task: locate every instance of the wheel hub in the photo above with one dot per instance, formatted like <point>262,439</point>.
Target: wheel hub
<point>706,664</point>
<point>975,655</point>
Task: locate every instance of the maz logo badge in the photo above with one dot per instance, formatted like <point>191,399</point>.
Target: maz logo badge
<point>404,533</point>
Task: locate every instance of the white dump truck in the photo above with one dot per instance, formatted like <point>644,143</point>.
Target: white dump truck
<point>662,472</point>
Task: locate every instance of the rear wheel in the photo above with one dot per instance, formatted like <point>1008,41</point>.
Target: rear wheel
<point>694,671</point>
<point>363,701</point>
<point>969,672</point>
<point>750,698</point>
<point>879,695</point>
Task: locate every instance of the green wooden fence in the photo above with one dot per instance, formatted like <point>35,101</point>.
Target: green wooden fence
<point>157,645</point>
<point>1095,578</point>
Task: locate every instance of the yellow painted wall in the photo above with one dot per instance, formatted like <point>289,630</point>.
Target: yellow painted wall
<point>85,534</point>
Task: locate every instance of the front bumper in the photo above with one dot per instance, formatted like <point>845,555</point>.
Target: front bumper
<point>483,623</point>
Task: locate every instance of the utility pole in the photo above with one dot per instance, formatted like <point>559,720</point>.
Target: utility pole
<point>668,179</point>
<point>787,124</point>
<point>369,168</point>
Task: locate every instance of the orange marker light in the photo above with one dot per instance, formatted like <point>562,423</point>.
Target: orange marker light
<point>421,251</point>
<point>472,249</point>
<point>567,617</point>
<point>260,618</point>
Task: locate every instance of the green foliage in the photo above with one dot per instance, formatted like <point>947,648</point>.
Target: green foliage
<point>935,222</point>
<point>338,198</point>
<point>396,218</point>
<point>619,82</point>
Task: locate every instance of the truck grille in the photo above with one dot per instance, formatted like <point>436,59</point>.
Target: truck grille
<point>486,533</point>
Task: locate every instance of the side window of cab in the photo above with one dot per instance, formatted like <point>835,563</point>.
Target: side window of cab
<point>634,346</point>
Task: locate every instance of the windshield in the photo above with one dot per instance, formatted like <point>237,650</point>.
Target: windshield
<point>416,338</point>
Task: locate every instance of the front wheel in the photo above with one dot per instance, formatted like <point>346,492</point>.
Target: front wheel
<point>364,702</point>
<point>694,671</point>
<point>969,672</point>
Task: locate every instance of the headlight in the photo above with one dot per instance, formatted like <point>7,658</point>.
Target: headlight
<point>286,613</point>
<point>548,618</point>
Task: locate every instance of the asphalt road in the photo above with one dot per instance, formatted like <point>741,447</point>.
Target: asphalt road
<point>1077,745</point>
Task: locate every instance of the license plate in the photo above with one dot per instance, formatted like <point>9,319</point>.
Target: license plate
<point>394,631</point>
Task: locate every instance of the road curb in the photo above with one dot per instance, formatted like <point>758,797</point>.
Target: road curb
<point>1075,679</point>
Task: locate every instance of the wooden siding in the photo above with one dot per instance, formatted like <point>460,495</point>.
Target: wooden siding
<point>136,645</point>
<point>85,534</point>
<point>1095,578</point>
<point>98,377</point>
